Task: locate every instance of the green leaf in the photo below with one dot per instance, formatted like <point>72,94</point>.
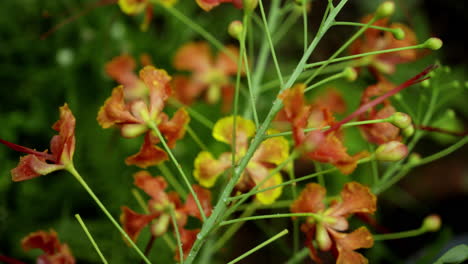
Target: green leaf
<point>455,255</point>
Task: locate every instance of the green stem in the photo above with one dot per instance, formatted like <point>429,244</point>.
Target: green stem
<point>277,236</point>
<point>321,82</point>
<point>286,26</point>
<point>350,57</point>
<point>155,129</point>
<point>356,24</point>
<point>304,21</point>
<point>250,88</point>
<point>298,257</point>
<point>197,140</point>
<point>197,116</point>
<point>349,124</point>
<point>177,233</point>
<point>374,165</point>
<point>404,234</point>
<point>275,205</point>
<point>172,180</point>
<point>258,217</point>
<point>90,237</point>
<point>221,206</point>
<point>70,168</point>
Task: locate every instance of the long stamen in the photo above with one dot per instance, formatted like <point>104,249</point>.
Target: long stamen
<point>363,108</point>
<point>19,148</point>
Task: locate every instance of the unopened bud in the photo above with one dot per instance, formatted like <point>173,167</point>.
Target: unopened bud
<point>409,131</point>
<point>426,83</point>
<point>398,33</point>
<point>323,238</point>
<point>401,120</point>
<point>433,43</point>
<point>414,158</point>
<point>133,130</point>
<point>386,9</point>
<point>391,151</point>
<point>235,29</point>
<point>350,74</point>
<point>432,223</point>
<point>250,5</point>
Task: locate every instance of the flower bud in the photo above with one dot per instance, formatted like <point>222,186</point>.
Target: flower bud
<point>426,83</point>
<point>414,158</point>
<point>323,238</point>
<point>391,151</point>
<point>386,9</point>
<point>132,130</point>
<point>401,120</point>
<point>235,29</point>
<point>433,43</point>
<point>398,33</point>
<point>409,131</point>
<point>432,223</point>
<point>250,5</point>
<point>350,74</point>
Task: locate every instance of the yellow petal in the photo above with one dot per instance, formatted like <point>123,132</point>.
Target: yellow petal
<point>131,7</point>
<point>207,169</point>
<point>270,196</point>
<point>245,129</point>
<point>273,150</point>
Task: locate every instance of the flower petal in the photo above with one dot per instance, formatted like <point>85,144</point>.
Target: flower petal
<point>32,166</point>
<point>310,200</point>
<point>194,56</point>
<point>295,111</point>
<point>174,129</point>
<point>225,63</point>
<point>223,131</point>
<point>46,241</point>
<point>134,222</point>
<point>347,243</point>
<point>115,111</point>
<point>131,7</point>
<point>204,196</point>
<point>207,169</point>
<point>63,145</point>
<point>149,154</point>
<point>187,239</point>
<point>187,90</point>
<point>158,83</point>
<point>153,186</point>
<point>270,196</point>
<point>356,198</point>
<point>273,150</point>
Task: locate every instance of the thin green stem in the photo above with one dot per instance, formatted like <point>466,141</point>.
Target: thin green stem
<point>197,140</point>
<point>277,236</point>
<point>70,168</point>
<point>90,237</point>
<point>155,129</point>
<point>349,124</point>
<point>233,228</point>
<point>374,165</point>
<point>304,21</point>
<point>298,257</point>
<point>356,24</point>
<point>350,57</point>
<point>286,26</point>
<point>320,178</point>
<point>326,80</point>
<point>275,205</point>
<point>258,217</point>
<point>169,176</point>
<point>399,235</point>
<point>270,42</point>
<point>177,233</point>
<point>197,116</point>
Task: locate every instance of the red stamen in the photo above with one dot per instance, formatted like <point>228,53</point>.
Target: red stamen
<point>8,260</point>
<point>19,148</point>
<point>363,108</point>
<point>441,130</point>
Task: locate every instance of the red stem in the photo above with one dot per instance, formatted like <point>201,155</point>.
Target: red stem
<point>441,130</point>
<point>19,148</point>
<point>8,260</point>
<point>363,108</point>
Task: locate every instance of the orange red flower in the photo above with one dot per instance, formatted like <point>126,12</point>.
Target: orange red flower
<point>269,154</point>
<point>133,116</point>
<point>62,148</point>
<point>326,225</point>
<point>54,251</point>
<point>207,5</point>
<point>209,75</point>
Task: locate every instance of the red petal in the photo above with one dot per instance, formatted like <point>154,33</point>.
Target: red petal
<point>310,200</point>
<point>121,69</point>
<point>174,129</point>
<point>46,241</point>
<point>148,155</point>
<point>115,111</point>
<point>63,145</point>
<point>347,243</point>
<point>157,82</point>
<point>356,198</point>
<point>204,196</point>
<point>134,222</point>
<point>31,166</point>
<point>194,56</point>
<point>153,186</point>
<point>187,239</point>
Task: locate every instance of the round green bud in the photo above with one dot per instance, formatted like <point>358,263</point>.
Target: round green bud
<point>414,158</point>
<point>401,120</point>
<point>250,5</point>
<point>450,113</point>
<point>409,131</point>
<point>433,43</point>
<point>398,33</point>
<point>386,9</point>
<point>391,151</point>
<point>350,74</point>
<point>398,97</point>
<point>432,223</point>
<point>235,29</point>
<point>425,83</point>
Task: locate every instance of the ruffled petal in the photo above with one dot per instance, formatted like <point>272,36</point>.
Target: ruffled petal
<point>295,111</point>
<point>158,83</point>
<point>223,131</point>
<point>32,166</point>
<point>115,111</point>
<point>187,239</point>
<point>194,56</point>
<point>273,150</point>
<point>153,186</point>
<point>270,196</point>
<point>226,63</point>
<point>121,69</point>
<point>187,90</point>
<point>174,129</point>
<point>204,196</point>
<point>134,222</point>
<point>347,243</point>
<point>381,133</point>
<point>310,200</point>
<point>356,198</point>
<point>208,169</point>
<point>63,145</point>
<point>46,241</point>
<point>149,154</point>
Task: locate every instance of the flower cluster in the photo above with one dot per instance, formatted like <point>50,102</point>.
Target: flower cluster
<point>160,208</point>
<point>134,114</point>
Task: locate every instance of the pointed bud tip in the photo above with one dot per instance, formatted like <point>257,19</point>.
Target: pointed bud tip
<point>432,223</point>
<point>398,33</point>
<point>235,29</point>
<point>386,9</point>
<point>391,151</point>
<point>350,74</point>
<point>433,43</point>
